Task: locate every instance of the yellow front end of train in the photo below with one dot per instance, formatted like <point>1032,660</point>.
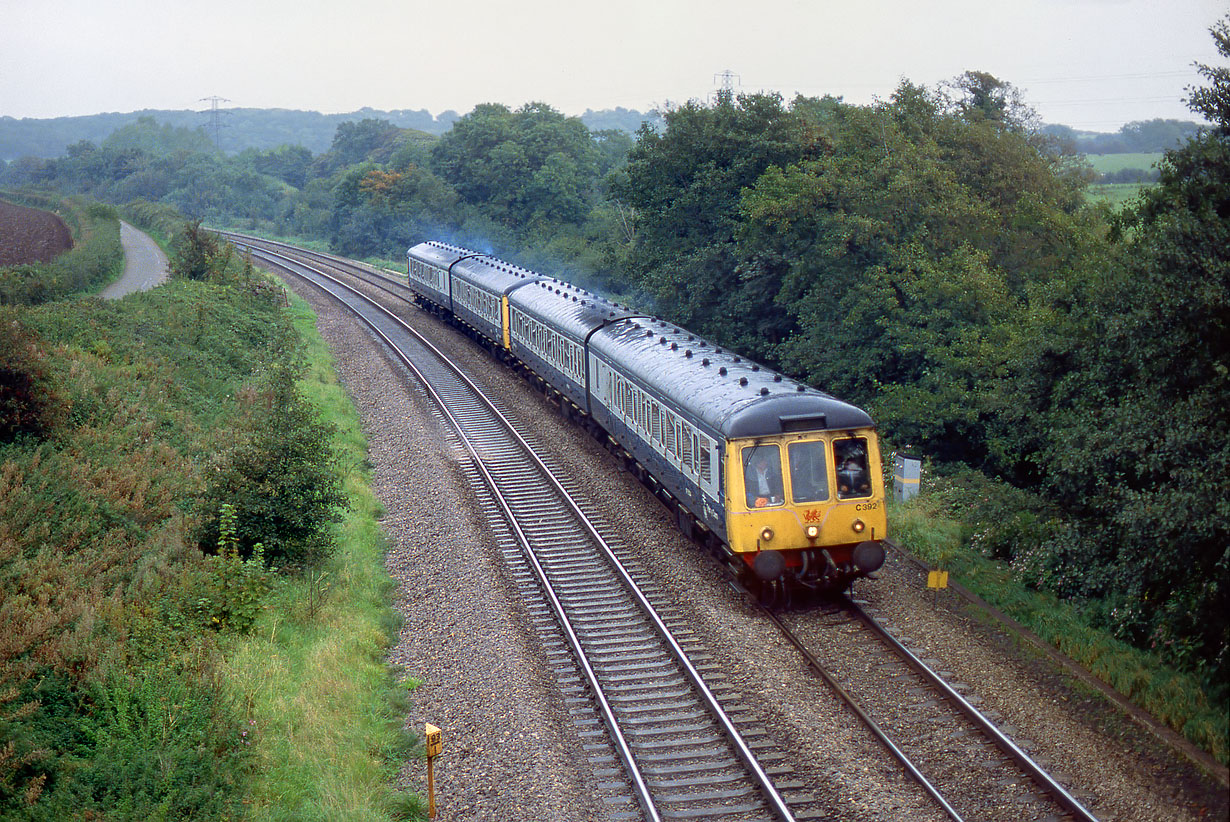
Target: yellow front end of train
<point>806,509</point>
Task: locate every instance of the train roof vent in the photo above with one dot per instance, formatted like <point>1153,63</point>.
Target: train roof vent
<point>705,361</point>
<point>764,392</point>
<point>743,381</point>
<point>648,333</point>
<point>688,353</point>
<point>801,387</point>
<point>738,360</point>
<point>674,346</point>
<point>722,371</point>
<point>661,340</point>
<point>777,378</point>
<point>755,367</point>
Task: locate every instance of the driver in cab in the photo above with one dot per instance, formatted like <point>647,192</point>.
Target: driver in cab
<point>763,478</point>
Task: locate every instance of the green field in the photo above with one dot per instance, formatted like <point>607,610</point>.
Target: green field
<point>1110,163</point>
<point>1115,194</point>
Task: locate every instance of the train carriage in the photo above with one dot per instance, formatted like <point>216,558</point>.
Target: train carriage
<point>427,266</point>
<point>549,329</point>
<point>780,473</point>
<point>481,286</point>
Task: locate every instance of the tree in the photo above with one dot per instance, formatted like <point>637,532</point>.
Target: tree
<point>524,168</point>
<point>683,186</point>
<point>289,164</point>
<point>1139,434</point>
<point>281,477</point>
<point>148,137</point>
<point>986,98</point>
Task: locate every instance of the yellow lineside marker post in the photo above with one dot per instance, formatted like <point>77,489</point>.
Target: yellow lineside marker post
<point>435,743</point>
<point>937,580</point>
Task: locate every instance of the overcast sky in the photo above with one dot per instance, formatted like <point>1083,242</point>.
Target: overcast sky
<point>1091,64</point>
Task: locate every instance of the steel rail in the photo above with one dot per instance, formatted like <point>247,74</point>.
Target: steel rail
<point>871,724</point>
<point>741,747</point>
<point>625,752</point>
<point>1010,748</point>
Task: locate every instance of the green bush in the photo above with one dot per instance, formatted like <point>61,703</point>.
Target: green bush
<point>225,592</point>
<point>157,745</point>
<point>280,477</point>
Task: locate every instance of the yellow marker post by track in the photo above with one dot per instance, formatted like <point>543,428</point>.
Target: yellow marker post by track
<point>435,743</point>
<point>937,580</point>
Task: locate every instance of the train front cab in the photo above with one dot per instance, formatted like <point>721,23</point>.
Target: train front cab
<point>805,511</point>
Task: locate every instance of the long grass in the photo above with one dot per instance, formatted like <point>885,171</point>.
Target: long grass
<point>923,529</point>
<point>327,711</point>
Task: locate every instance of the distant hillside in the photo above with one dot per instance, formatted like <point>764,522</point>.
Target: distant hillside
<point>1141,137</point>
<point>240,128</point>
<point>243,128</point>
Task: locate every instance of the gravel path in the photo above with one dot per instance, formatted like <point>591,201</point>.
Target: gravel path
<point>510,750</point>
<point>145,266</point>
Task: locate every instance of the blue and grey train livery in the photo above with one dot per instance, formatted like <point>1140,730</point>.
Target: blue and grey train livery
<point>781,480</point>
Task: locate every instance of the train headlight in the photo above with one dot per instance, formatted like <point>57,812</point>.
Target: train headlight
<point>813,531</point>
<point>766,535</point>
<point>858,526</point>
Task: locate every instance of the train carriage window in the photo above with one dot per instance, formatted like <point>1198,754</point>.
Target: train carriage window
<point>670,434</point>
<point>853,476</point>
<point>656,423</point>
<point>762,476</point>
<point>706,460</point>
<point>809,473</point>
<point>687,450</point>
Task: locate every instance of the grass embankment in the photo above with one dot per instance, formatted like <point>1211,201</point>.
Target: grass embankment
<point>325,711</point>
<point>140,678</point>
<point>925,528</point>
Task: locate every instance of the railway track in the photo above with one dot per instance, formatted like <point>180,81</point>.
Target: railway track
<point>948,746</point>
<point>668,737</point>
<point>682,754</point>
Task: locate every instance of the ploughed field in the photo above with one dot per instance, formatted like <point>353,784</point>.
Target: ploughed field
<point>28,235</point>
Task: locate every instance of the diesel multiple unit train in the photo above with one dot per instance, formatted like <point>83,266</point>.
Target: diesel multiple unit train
<point>781,481</point>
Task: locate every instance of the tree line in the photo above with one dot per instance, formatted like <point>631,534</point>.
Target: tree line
<point>931,257</point>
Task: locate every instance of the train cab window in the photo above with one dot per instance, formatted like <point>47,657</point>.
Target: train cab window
<point>853,476</point>
<point>762,476</point>
<point>809,473</point>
